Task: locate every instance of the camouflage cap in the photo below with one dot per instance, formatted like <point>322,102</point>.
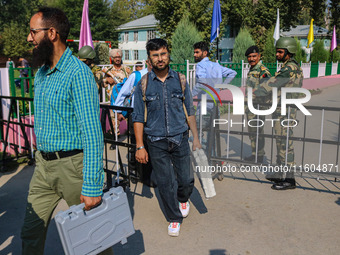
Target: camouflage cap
<point>252,49</point>
<point>86,52</point>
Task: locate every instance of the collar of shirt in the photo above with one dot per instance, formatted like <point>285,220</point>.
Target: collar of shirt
<point>171,73</point>
<point>61,65</point>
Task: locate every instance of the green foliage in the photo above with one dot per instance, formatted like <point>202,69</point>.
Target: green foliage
<point>170,12</point>
<point>318,12</point>
<point>335,15</point>
<point>300,53</point>
<point>99,15</point>
<point>334,56</point>
<point>185,36</point>
<point>319,52</point>
<point>13,40</point>
<point>102,54</point>
<point>242,42</point>
<point>269,52</point>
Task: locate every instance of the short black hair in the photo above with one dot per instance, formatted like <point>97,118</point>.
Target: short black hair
<point>252,49</point>
<point>54,17</point>
<point>156,44</point>
<point>203,46</point>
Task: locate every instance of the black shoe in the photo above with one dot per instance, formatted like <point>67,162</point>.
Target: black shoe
<point>273,178</point>
<point>283,186</point>
<point>252,159</point>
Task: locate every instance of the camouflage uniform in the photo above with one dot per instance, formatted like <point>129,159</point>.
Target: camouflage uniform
<point>290,75</point>
<point>98,76</point>
<point>256,75</point>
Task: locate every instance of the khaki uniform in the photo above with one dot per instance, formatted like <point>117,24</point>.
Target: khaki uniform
<point>118,74</point>
<point>256,76</point>
<point>290,75</point>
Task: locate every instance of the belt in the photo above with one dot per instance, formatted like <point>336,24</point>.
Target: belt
<point>62,154</point>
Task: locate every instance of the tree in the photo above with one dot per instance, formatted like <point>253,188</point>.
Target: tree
<point>300,55</point>
<point>317,12</point>
<point>185,36</point>
<point>102,54</point>
<point>170,12</point>
<point>335,15</point>
<point>13,40</point>
<point>319,52</point>
<point>99,15</point>
<point>242,42</point>
<point>269,48</point>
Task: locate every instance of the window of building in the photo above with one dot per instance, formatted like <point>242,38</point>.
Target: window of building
<point>151,35</point>
<point>127,57</point>
<point>135,55</point>
<point>126,36</point>
<point>135,36</point>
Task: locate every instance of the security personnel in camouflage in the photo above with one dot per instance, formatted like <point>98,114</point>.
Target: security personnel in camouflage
<point>290,75</point>
<point>87,55</point>
<point>257,74</point>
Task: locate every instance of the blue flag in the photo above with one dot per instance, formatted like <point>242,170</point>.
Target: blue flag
<point>216,20</point>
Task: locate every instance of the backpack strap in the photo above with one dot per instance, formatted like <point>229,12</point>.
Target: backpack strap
<point>183,81</point>
<point>144,84</point>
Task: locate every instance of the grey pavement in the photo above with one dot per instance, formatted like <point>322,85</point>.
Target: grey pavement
<point>246,217</point>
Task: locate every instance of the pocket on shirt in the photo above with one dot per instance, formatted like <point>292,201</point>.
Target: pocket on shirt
<point>153,102</point>
<point>177,100</point>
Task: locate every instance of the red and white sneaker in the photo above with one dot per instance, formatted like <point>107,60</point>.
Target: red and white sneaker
<point>173,228</point>
<point>184,208</point>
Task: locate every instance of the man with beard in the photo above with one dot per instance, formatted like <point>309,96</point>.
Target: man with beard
<point>257,74</point>
<point>290,75</point>
<point>69,162</point>
<point>208,73</point>
<point>118,71</point>
<point>159,111</point>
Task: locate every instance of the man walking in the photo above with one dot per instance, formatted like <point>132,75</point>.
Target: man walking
<point>257,74</point>
<point>160,109</point>
<point>290,75</point>
<point>208,74</point>
<point>69,161</point>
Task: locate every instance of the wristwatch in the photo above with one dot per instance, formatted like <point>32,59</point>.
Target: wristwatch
<point>139,148</point>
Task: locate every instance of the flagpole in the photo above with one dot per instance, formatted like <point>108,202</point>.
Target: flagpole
<point>217,43</point>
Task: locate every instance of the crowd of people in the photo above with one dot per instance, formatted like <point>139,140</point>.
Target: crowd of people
<point>69,157</point>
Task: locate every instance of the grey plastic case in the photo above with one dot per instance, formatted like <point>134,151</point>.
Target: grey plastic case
<point>90,232</point>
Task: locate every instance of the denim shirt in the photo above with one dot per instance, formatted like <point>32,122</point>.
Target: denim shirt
<point>165,114</point>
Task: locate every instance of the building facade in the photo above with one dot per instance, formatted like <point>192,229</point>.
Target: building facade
<point>133,37</point>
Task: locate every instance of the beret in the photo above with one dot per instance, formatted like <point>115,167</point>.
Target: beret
<point>252,49</point>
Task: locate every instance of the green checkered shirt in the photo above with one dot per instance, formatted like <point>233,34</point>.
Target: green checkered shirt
<point>67,116</point>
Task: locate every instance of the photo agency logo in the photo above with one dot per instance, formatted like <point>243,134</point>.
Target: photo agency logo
<point>238,99</point>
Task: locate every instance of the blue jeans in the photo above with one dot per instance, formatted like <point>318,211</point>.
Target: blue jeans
<point>171,162</point>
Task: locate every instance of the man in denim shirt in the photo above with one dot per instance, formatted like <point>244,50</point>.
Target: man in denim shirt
<point>167,133</point>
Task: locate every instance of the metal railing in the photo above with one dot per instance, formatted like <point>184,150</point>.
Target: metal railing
<point>316,145</point>
<point>17,135</point>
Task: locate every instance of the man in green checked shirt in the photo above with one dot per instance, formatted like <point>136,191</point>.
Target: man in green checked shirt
<point>69,163</point>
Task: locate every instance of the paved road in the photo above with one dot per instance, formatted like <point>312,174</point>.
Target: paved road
<point>246,217</point>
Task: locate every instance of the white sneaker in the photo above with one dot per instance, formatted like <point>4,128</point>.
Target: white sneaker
<point>173,228</point>
<point>184,208</point>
